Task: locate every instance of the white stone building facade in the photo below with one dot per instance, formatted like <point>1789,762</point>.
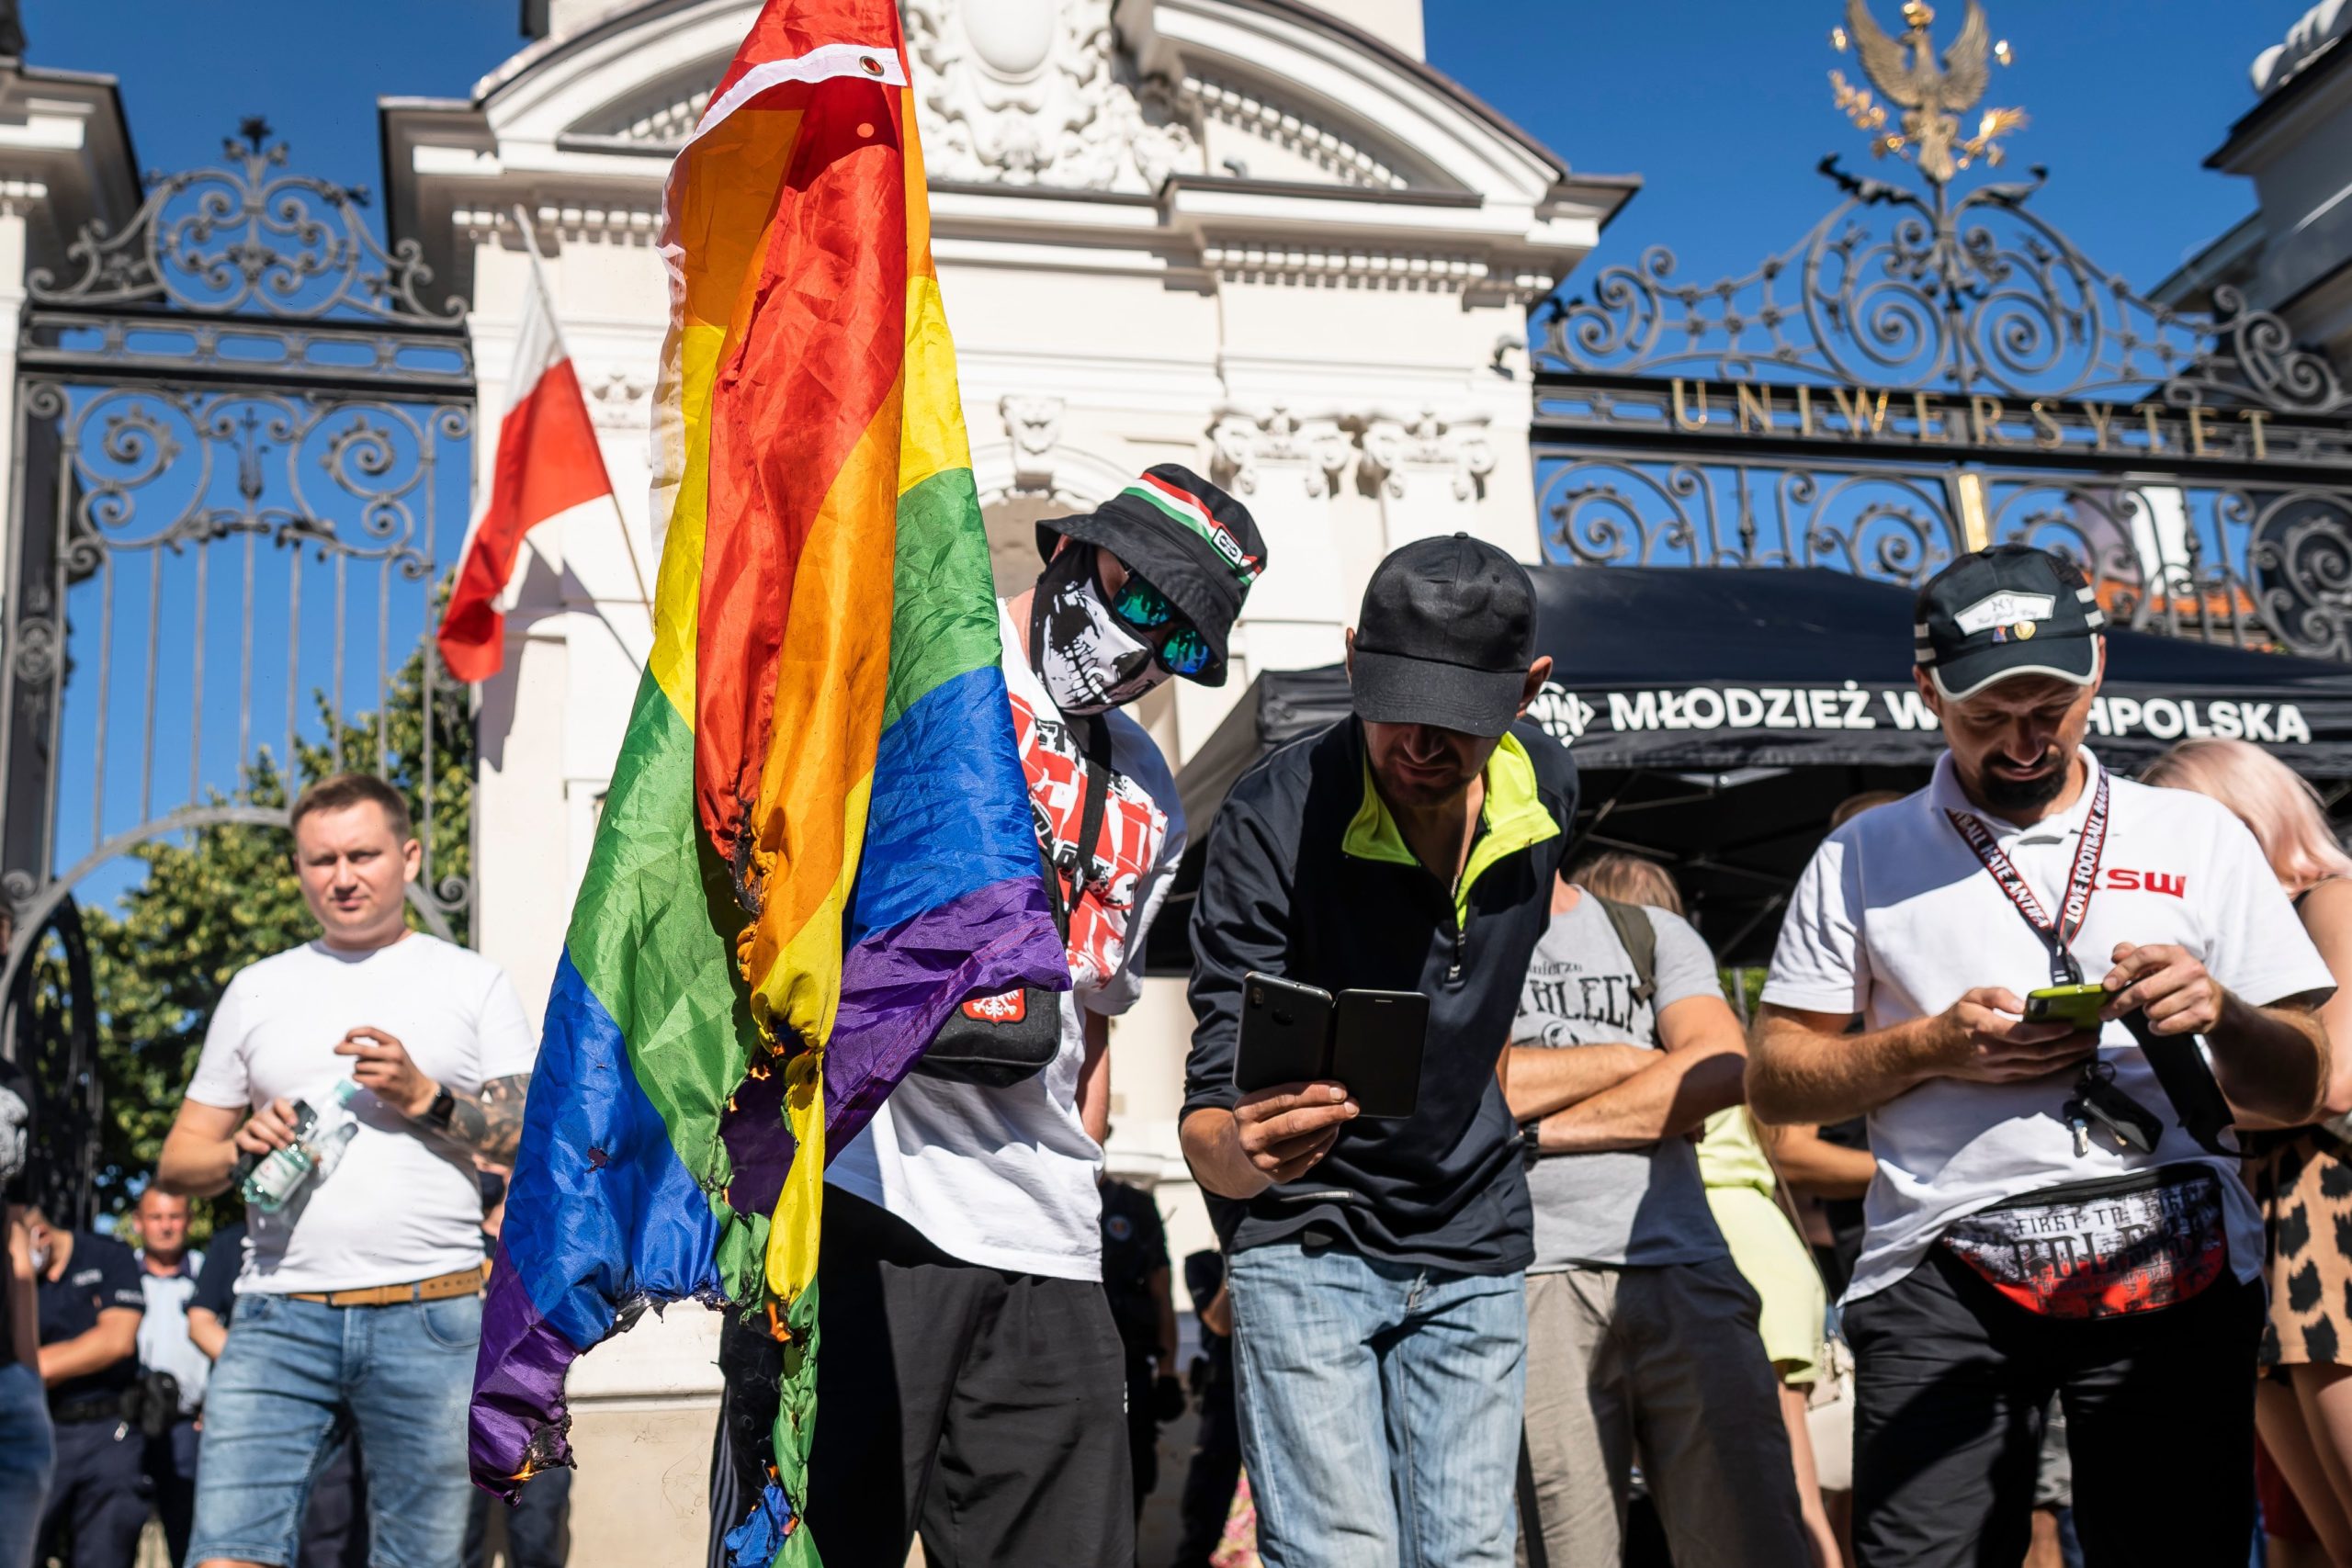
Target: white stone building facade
<point>2293,255</point>
<point>1258,237</point>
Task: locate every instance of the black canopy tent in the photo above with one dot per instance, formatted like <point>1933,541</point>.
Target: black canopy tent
<point>1718,716</point>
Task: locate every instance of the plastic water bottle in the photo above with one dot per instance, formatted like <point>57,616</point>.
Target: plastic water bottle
<point>328,1148</point>
<point>276,1180</point>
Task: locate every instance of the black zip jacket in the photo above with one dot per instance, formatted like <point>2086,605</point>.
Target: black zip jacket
<point>1306,878</point>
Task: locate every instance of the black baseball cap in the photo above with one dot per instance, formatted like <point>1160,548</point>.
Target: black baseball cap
<point>2011,610</point>
<point>1184,536</point>
<point>1446,636</point>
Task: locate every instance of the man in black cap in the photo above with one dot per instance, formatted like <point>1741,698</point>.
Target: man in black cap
<point>1377,1266</point>
<point>973,1381</point>
<point>2058,1209</point>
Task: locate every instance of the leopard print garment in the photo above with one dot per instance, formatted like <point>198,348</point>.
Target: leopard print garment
<point>2303,1184</point>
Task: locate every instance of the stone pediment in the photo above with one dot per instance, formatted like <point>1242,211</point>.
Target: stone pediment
<point>1050,93</point>
<point>1268,139</point>
<point>1041,92</point>
<point>654,120</point>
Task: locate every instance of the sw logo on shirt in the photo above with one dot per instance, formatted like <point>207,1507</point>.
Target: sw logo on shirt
<point>2171,884</point>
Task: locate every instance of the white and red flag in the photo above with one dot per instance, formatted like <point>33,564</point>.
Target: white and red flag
<point>548,462</point>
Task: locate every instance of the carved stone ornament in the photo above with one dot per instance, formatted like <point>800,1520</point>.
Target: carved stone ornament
<point>1391,443</point>
<point>1032,422</point>
<point>617,397</point>
<point>1040,91</point>
<point>1242,443</point>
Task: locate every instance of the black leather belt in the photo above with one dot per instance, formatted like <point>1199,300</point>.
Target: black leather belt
<point>87,1409</point>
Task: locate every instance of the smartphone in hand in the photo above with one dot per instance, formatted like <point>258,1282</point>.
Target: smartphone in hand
<point>2077,1004</point>
<point>1286,1033</point>
<point>1376,1042</point>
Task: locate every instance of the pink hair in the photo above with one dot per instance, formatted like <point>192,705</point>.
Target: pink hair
<point>2270,797</point>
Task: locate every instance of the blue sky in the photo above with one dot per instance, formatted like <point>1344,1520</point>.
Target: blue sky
<point>1721,106</point>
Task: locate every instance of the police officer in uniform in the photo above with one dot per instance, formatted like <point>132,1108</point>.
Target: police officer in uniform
<point>1135,1276</point>
<point>169,1271</point>
<point>91,1303</point>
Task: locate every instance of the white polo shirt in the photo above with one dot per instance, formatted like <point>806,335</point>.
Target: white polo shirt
<point>1896,916</point>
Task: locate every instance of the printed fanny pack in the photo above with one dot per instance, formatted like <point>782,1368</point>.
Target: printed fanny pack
<point>2134,1244</point>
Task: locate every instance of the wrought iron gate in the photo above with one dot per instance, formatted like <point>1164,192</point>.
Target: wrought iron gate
<point>241,434</point>
<point>1925,373</point>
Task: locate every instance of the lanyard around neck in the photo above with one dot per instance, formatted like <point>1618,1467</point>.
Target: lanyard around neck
<point>2081,881</point>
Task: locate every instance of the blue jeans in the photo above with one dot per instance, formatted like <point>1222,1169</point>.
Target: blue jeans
<point>400,1375</point>
<point>27,1454</point>
<point>1379,1409</point>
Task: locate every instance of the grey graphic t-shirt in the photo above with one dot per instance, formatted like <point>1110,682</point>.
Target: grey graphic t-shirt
<point>1621,1206</point>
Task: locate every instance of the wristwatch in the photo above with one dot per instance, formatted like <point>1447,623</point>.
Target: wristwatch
<point>436,1115</point>
<point>1530,1136</point>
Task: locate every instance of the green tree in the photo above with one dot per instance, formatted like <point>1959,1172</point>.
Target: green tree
<point>221,897</point>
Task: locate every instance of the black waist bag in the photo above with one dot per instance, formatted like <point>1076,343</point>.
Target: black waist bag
<point>998,1041</point>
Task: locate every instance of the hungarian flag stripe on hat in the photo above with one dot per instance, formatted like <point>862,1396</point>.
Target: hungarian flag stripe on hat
<point>1187,509</point>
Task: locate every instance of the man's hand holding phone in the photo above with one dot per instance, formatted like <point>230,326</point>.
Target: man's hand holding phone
<point>2179,997</point>
<point>1284,1129</point>
<point>1983,1037</point>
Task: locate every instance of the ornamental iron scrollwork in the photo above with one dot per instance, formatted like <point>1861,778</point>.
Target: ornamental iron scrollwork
<point>1898,289</point>
<point>306,467</point>
<point>1928,370</point>
<point>243,468</point>
<point>2253,566</point>
<point>247,238</point>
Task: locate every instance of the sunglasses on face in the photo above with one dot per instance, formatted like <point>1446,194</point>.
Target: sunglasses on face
<point>1183,650</point>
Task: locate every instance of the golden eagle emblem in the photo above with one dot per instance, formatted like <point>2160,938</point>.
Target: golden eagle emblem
<point>1932,100</point>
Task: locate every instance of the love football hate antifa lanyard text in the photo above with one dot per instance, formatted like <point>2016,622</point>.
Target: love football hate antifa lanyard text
<point>2179,1068</point>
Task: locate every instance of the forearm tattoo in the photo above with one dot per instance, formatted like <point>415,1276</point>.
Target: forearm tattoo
<point>490,1122</point>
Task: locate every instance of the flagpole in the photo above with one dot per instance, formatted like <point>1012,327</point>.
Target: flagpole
<point>620,518</point>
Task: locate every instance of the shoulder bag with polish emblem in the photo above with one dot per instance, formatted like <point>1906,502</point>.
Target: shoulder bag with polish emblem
<point>997,1041</point>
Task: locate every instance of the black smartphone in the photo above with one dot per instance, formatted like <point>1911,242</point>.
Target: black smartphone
<point>1376,1042</point>
<point>1286,1033</point>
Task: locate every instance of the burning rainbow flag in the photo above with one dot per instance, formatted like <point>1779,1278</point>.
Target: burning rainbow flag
<point>822,737</point>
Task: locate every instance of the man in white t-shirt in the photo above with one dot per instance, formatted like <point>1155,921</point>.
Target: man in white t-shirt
<point>2057,1208</point>
<point>972,1381</point>
<point>359,1305</point>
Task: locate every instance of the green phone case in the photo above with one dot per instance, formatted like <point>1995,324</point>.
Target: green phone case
<point>2077,1004</point>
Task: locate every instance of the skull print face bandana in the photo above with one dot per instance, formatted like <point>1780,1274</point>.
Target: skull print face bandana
<point>1086,660</point>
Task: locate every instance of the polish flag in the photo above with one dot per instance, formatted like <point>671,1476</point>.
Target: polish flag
<point>548,463</point>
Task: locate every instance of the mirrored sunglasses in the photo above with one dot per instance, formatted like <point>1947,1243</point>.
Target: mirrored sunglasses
<point>1184,651</point>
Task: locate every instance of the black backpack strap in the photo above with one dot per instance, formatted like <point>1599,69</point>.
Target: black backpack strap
<point>1639,938</point>
<point>2188,1082</point>
<point>1093,738</point>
